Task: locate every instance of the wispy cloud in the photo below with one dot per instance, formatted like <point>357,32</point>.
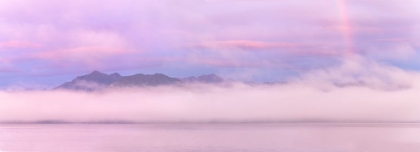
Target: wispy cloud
<point>299,34</point>
<point>18,44</point>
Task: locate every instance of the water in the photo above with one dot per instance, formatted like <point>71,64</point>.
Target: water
<point>211,137</point>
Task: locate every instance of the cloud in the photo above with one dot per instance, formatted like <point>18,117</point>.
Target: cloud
<point>236,104</point>
<point>298,35</point>
<point>18,44</point>
<point>246,45</point>
<point>385,94</point>
<point>359,71</point>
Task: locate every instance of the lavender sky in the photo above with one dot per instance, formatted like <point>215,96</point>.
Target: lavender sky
<point>46,42</point>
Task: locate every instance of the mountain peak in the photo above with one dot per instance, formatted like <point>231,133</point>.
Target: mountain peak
<point>116,75</point>
<point>97,80</point>
<point>96,72</point>
<point>209,78</point>
<point>90,81</point>
<point>145,80</point>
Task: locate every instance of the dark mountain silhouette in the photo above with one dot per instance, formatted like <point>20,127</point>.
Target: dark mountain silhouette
<point>145,80</point>
<point>211,78</point>
<point>100,78</point>
<point>90,82</point>
<point>97,80</point>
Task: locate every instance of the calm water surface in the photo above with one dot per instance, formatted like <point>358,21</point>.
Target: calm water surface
<point>211,138</point>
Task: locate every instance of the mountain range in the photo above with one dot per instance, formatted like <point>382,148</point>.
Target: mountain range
<point>97,80</point>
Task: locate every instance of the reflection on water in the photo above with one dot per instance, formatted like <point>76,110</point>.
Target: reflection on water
<point>211,137</point>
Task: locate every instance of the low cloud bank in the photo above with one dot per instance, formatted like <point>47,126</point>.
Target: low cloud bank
<point>357,90</point>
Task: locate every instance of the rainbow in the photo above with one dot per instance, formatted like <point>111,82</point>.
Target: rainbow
<point>345,27</point>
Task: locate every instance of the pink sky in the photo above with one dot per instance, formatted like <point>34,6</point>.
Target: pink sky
<point>342,59</point>
<point>265,40</point>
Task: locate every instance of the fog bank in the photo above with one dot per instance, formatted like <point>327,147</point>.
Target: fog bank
<point>357,90</point>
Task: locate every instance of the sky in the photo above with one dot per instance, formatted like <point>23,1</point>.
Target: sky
<point>46,42</point>
<point>343,60</point>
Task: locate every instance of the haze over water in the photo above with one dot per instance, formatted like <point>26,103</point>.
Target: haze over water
<point>211,137</point>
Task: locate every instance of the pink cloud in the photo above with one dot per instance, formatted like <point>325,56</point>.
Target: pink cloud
<point>19,44</point>
<point>88,57</point>
<point>246,45</point>
<point>228,33</point>
<point>220,62</point>
<point>392,40</point>
<point>272,47</point>
<point>8,69</point>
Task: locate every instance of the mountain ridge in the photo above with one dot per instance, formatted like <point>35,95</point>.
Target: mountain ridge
<point>98,80</point>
